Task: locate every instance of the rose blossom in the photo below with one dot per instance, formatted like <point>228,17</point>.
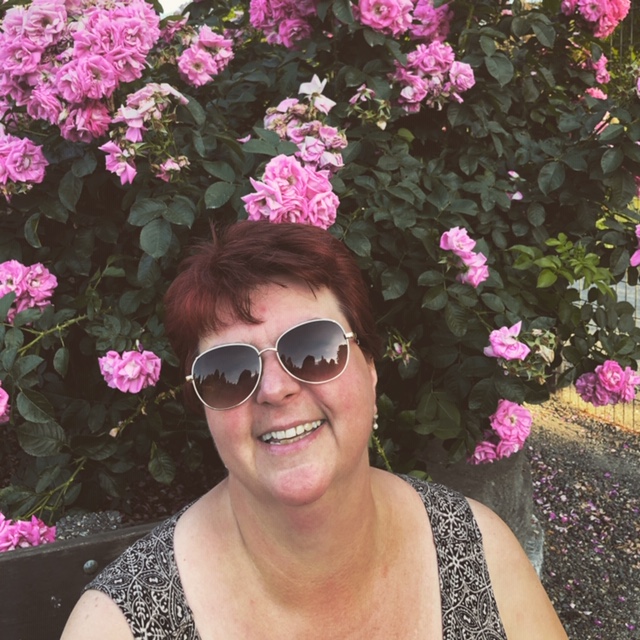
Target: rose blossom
<point>512,422</point>
<point>131,371</point>
<point>505,344</point>
<point>611,376</point>
<point>21,160</point>
<point>388,16</point>
<point>291,192</point>
<point>609,384</point>
<point>635,258</point>
<point>457,240</point>
<point>5,409</point>
<point>33,285</point>
<point>476,269</point>
<point>24,533</point>
<point>484,452</point>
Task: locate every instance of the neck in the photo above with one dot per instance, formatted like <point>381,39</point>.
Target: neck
<point>301,554</point>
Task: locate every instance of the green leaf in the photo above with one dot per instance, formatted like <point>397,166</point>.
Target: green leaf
<point>435,299</point>
<point>545,33</point>
<point>510,387</point>
<point>41,439</point>
<point>155,238</point>
<point>546,278</point>
<point>261,147</point>
<point>456,317</point>
<point>500,67</point>
<point>483,397</point>
<point>129,302</point>
<point>611,159</point>
<point>69,190</point>
<point>181,211</point>
<point>493,302</point>
<point>358,243</point>
<point>551,177</point>
<point>54,210</point>
<point>34,407</point>
<point>61,361</point>
<point>31,231</point>
<point>373,38</point>
<point>161,465</point>
<point>5,304</point>
<point>536,214</point>
<point>148,271</point>
<point>220,170</point>
<point>94,447</point>
<point>25,365</point>
<point>145,210</point>
<point>85,165</point>
<point>197,112</point>
<point>430,278</point>
<point>394,283</point>
<point>218,194</point>
<point>342,11</point>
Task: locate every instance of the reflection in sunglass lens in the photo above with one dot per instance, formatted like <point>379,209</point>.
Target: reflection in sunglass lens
<point>314,352</point>
<point>225,377</point>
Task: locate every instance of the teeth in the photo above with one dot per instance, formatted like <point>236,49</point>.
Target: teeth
<point>275,437</point>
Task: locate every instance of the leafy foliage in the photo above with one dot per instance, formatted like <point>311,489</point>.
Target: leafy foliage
<point>526,127</point>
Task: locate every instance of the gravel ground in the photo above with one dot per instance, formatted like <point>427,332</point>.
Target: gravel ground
<point>586,476</point>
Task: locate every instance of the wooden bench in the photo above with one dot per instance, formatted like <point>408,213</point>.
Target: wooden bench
<point>39,586</point>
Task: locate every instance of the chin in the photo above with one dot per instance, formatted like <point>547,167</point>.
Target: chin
<point>299,487</point>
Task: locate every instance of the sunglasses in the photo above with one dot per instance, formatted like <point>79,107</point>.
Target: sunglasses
<point>315,352</point>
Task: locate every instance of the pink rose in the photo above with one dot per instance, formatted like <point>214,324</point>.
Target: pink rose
<point>130,372</point>
<point>457,240</point>
<point>504,343</point>
<point>293,30</point>
<point>611,376</point>
<point>389,16</point>
<point>21,160</point>
<point>484,452</point>
<point>40,283</point>
<point>477,271</point>
<point>196,66</point>
<point>5,409</point>
<point>24,533</point>
<point>512,422</point>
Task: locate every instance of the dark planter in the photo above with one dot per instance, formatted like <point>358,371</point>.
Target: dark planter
<point>39,586</point>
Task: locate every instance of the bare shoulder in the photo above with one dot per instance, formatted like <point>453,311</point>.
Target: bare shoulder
<point>525,608</point>
<point>96,617</point>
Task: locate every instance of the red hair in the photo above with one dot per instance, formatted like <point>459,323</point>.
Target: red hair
<point>220,277</point>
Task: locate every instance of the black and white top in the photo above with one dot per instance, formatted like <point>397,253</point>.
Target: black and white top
<point>145,584</point>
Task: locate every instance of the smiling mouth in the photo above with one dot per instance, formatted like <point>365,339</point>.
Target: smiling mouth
<point>291,435</point>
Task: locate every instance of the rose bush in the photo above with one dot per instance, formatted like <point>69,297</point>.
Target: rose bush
<point>469,153</point>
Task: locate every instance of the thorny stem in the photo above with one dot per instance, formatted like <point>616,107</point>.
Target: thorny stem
<point>381,452</point>
<point>61,490</point>
<point>57,329</point>
<point>141,409</point>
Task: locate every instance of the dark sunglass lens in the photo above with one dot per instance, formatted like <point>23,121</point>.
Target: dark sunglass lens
<point>314,352</point>
<point>225,377</point>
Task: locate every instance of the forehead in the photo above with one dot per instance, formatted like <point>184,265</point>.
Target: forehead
<point>276,307</point>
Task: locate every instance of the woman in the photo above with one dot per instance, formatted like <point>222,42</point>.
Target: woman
<point>304,539</point>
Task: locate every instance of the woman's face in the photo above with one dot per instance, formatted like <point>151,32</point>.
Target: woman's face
<point>339,412</point>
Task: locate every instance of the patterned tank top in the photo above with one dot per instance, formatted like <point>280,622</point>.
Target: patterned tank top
<point>145,584</point>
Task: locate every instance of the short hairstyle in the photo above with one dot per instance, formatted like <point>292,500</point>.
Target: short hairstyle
<point>220,277</point>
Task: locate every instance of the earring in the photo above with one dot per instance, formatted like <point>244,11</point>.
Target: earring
<point>375,420</point>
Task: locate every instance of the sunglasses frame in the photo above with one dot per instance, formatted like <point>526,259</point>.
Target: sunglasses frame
<point>348,335</point>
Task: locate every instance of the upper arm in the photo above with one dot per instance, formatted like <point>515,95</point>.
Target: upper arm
<point>525,608</point>
<point>96,617</point>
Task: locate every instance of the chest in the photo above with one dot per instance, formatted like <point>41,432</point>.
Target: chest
<point>400,601</point>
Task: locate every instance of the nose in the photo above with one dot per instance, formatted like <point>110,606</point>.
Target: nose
<point>275,385</point>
